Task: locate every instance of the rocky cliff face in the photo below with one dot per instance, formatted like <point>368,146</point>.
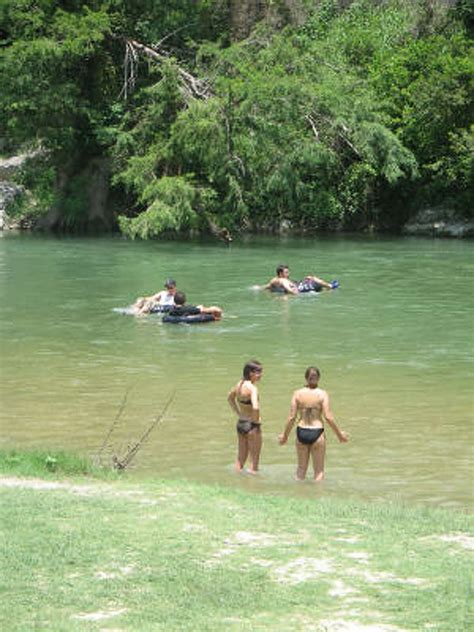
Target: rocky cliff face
<point>9,191</point>
<point>439,222</point>
<point>97,214</point>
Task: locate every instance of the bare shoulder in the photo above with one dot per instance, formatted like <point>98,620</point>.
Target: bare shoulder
<point>297,394</point>
<point>324,395</point>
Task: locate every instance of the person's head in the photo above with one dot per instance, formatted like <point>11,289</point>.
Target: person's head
<point>252,370</point>
<point>179,298</point>
<point>170,285</point>
<point>312,376</point>
<point>282,271</point>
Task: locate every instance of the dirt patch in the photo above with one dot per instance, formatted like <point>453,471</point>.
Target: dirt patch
<point>359,556</point>
<point>99,615</point>
<point>462,540</point>
<point>353,626</point>
<point>245,538</point>
<point>80,489</point>
<point>384,577</point>
<point>349,539</point>
<point>302,569</point>
<point>340,589</point>
<point>116,574</point>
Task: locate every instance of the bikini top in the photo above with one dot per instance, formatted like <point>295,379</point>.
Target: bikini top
<point>241,400</point>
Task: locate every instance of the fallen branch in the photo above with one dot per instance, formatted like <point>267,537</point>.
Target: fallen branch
<point>122,464</point>
<point>312,122</point>
<point>346,131</point>
<point>193,87</point>
<point>113,425</point>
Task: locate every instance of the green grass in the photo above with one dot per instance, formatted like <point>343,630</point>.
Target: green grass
<point>163,555</point>
<point>49,464</point>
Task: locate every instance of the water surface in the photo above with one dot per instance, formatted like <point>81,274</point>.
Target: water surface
<point>394,344</point>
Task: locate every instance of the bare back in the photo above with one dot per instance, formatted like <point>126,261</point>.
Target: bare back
<point>244,397</point>
<point>310,403</point>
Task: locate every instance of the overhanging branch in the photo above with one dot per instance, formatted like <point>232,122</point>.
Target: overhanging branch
<point>192,86</point>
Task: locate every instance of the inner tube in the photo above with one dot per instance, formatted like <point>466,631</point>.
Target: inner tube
<point>188,320</point>
<point>305,287</point>
<point>160,309</point>
<point>129,311</point>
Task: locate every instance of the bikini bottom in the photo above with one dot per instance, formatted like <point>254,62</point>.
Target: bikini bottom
<point>308,436</point>
<point>244,426</point>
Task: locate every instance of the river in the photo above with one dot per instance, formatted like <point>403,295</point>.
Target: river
<point>394,344</point>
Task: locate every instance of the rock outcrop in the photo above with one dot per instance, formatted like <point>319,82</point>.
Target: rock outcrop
<point>439,222</point>
<point>9,191</point>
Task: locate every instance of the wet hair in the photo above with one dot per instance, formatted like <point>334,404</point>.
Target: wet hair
<point>312,369</point>
<point>250,367</point>
<point>280,269</point>
<point>179,298</point>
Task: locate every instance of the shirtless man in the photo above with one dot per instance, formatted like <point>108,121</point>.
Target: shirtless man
<point>181,309</point>
<point>145,304</point>
<point>243,399</point>
<point>282,283</point>
<point>310,405</point>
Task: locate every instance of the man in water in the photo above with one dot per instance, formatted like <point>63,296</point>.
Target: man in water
<point>282,283</point>
<point>165,298</point>
<point>181,309</point>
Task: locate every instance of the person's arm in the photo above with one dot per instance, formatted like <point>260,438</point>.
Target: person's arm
<point>255,403</point>
<point>231,398</point>
<point>327,412</point>
<point>215,311</point>
<point>289,286</point>
<point>157,297</point>
<point>283,438</point>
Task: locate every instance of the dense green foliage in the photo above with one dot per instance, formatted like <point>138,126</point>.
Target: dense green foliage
<point>348,118</point>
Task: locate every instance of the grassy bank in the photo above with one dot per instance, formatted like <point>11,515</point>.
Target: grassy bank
<point>90,554</point>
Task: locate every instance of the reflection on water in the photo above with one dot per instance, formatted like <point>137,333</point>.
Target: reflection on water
<point>394,344</point>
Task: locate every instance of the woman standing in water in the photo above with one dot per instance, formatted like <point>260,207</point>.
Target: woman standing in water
<point>243,400</point>
<point>310,405</point>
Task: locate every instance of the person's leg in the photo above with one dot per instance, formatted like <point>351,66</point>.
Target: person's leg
<point>318,451</point>
<point>302,453</point>
<point>139,302</point>
<point>243,451</point>
<point>255,447</point>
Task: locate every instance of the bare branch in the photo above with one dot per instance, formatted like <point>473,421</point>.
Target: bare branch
<point>312,122</point>
<point>346,131</point>
<point>121,464</point>
<point>193,86</point>
<point>113,425</point>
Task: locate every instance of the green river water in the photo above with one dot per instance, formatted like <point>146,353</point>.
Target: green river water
<point>394,345</point>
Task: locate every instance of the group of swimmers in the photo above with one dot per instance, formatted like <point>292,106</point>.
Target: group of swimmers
<point>309,405</point>
<point>309,408</point>
<point>173,302</point>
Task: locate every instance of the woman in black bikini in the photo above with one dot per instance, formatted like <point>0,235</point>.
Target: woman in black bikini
<point>310,405</point>
<point>243,400</point>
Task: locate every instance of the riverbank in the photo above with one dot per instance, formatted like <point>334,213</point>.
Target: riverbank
<point>98,551</point>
